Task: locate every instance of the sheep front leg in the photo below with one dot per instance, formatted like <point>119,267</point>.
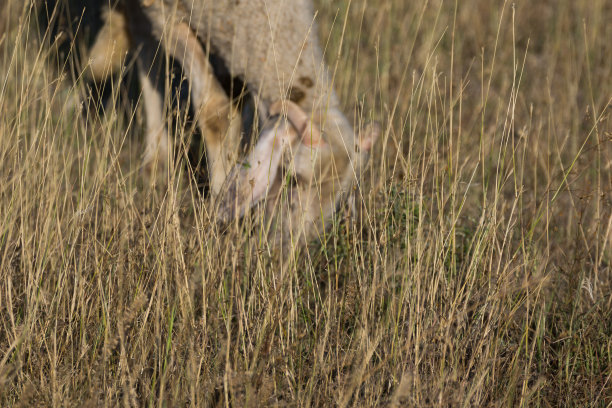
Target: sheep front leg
<point>216,117</point>
<point>157,143</point>
<point>123,31</point>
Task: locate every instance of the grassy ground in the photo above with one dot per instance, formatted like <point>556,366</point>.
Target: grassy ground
<point>476,270</point>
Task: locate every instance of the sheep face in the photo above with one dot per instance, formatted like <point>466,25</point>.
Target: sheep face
<point>293,147</point>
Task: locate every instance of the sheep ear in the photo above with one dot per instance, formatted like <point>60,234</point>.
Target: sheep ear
<point>276,108</point>
<point>307,130</point>
<point>367,137</point>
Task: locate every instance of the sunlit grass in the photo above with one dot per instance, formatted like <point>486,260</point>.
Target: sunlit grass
<point>471,267</point>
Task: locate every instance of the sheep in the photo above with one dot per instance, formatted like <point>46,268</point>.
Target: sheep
<point>272,46</point>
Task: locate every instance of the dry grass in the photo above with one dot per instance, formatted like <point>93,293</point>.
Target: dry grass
<point>475,272</point>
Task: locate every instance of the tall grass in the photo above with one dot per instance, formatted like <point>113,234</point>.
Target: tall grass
<point>472,266</point>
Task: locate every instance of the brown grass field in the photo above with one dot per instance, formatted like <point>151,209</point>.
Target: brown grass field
<point>473,266</point>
